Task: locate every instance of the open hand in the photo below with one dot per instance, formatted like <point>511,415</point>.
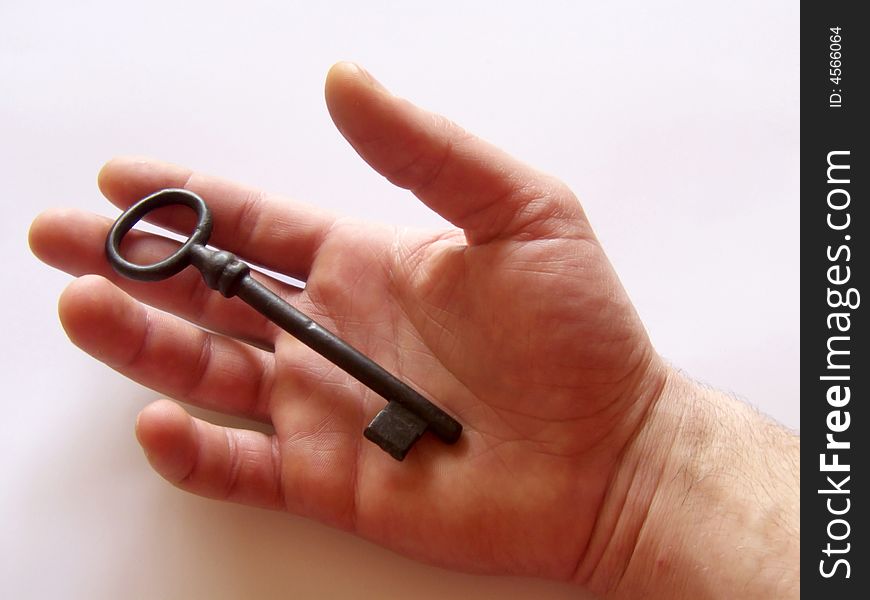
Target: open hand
<point>513,321</point>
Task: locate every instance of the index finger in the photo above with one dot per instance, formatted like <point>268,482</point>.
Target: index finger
<point>273,232</point>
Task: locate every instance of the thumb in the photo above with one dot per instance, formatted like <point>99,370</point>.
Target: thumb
<point>468,181</point>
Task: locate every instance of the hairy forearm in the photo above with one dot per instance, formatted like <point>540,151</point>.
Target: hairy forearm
<point>710,503</point>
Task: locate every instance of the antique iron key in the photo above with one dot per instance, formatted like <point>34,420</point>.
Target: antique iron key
<point>395,428</point>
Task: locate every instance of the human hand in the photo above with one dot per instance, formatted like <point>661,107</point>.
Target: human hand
<point>514,322</point>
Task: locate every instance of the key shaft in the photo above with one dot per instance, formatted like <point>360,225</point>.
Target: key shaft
<point>230,276</point>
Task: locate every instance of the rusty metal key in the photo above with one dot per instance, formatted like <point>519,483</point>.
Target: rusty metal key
<point>395,428</point>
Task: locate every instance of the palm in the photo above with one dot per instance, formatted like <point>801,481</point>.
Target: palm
<point>491,332</point>
<point>514,322</point>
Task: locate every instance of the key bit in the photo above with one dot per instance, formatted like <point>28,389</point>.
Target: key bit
<point>395,428</point>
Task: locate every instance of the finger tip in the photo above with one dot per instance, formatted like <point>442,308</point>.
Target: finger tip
<point>341,69</point>
<point>125,179</point>
<point>166,433</point>
<point>160,421</point>
<point>80,292</point>
<point>86,309</point>
<point>87,290</point>
<point>41,232</point>
<point>48,230</point>
<point>115,175</point>
<point>347,87</point>
<point>106,175</point>
<point>339,80</point>
<point>344,72</point>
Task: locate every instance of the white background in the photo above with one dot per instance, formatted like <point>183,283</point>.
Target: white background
<point>675,122</point>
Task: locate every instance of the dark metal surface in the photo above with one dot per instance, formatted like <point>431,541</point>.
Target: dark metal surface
<point>407,414</point>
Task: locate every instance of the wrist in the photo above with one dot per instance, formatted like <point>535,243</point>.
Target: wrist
<point>704,504</point>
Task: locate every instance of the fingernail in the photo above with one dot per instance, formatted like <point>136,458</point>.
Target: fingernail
<point>369,77</point>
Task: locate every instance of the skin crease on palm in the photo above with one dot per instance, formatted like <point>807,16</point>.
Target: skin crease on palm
<point>514,322</point>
